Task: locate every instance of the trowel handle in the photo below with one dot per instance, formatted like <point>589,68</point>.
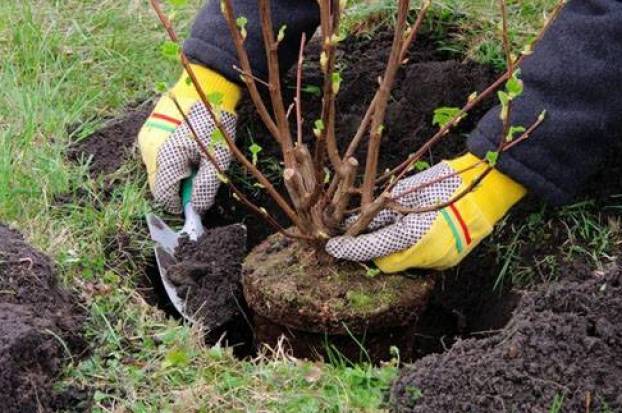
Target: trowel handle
<point>186,189</point>
<point>192,219</point>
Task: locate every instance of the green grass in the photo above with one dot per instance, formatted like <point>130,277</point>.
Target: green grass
<point>77,62</point>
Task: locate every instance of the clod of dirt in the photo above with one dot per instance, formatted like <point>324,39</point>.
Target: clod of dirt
<point>564,342</point>
<point>208,274</point>
<point>35,314</point>
<point>287,286</point>
<point>109,147</point>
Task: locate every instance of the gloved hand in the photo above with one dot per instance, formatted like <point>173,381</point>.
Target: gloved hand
<point>438,239</point>
<point>169,150</point>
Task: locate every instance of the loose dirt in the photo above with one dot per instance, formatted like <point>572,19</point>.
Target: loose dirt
<point>110,147</point>
<point>565,341</point>
<point>208,277</point>
<point>35,315</point>
<point>315,303</point>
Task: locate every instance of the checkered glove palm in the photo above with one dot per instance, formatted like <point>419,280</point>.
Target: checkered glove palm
<point>437,239</point>
<point>169,148</point>
<point>180,154</point>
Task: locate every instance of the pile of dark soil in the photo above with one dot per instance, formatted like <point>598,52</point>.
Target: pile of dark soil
<point>313,304</point>
<point>565,342</point>
<point>35,315</point>
<point>208,278</point>
<point>110,147</point>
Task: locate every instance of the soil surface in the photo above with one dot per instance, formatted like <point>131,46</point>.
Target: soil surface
<point>313,304</point>
<point>110,147</point>
<point>565,341</point>
<point>34,314</point>
<point>208,277</point>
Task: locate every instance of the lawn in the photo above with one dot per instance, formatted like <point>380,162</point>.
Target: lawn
<point>67,66</point>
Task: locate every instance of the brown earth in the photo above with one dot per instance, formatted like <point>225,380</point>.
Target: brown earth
<point>35,314</point>
<point>208,278</point>
<point>110,146</point>
<point>563,341</point>
<point>313,303</point>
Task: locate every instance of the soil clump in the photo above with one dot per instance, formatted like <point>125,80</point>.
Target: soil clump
<point>110,146</point>
<point>208,275</point>
<point>316,304</point>
<point>565,342</point>
<point>35,314</point>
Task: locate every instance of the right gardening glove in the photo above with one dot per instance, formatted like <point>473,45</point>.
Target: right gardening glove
<point>169,150</point>
<point>437,239</point>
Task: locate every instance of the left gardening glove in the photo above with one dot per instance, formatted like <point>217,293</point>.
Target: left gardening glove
<point>169,149</point>
<point>437,239</point>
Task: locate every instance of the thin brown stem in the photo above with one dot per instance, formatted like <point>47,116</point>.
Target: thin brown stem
<point>327,141</point>
<point>377,122</point>
<point>506,115</point>
<point>412,37</point>
<point>397,207</point>
<point>238,42</point>
<point>250,75</point>
<point>271,46</point>
<point>299,118</point>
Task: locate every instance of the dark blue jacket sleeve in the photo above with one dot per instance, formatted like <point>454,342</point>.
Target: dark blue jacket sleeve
<point>575,74</point>
<point>210,40</point>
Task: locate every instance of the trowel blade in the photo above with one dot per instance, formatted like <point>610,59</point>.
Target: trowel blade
<point>162,234</point>
<point>165,260</point>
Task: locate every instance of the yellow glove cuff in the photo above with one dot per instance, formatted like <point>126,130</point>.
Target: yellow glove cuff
<point>210,82</point>
<point>460,227</point>
<point>497,192</point>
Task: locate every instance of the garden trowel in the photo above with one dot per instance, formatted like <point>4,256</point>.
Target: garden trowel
<point>167,241</point>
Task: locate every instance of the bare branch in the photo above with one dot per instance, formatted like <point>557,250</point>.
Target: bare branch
<point>327,141</point>
<point>412,37</point>
<point>371,166</point>
<point>299,118</point>
<point>271,46</point>
<point>238,42</point>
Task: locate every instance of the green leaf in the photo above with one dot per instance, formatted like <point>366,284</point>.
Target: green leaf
<point>492,158</point>
<point>215,98</point>
<point>160,87</point>
<point>514,130</point>
<point>255,149</point>
<point>312,90</point>
<point>218,138</point>
<point>241,22</point>
<point>170,50</point>
<point>443,116</point>
<point>504,98</point>
<point>372,272</point>
<point>422,165</point>
<point>336,79</point>
<point>281,35</point>
<point>319,124</point>
<point>178,3</point>
<point>514,86</point>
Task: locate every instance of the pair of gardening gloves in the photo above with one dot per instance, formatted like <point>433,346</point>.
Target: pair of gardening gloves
<point>430,240</point>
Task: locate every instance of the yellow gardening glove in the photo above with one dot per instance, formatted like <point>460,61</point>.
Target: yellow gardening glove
<point>168,149</point>
<point>438,239</point>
